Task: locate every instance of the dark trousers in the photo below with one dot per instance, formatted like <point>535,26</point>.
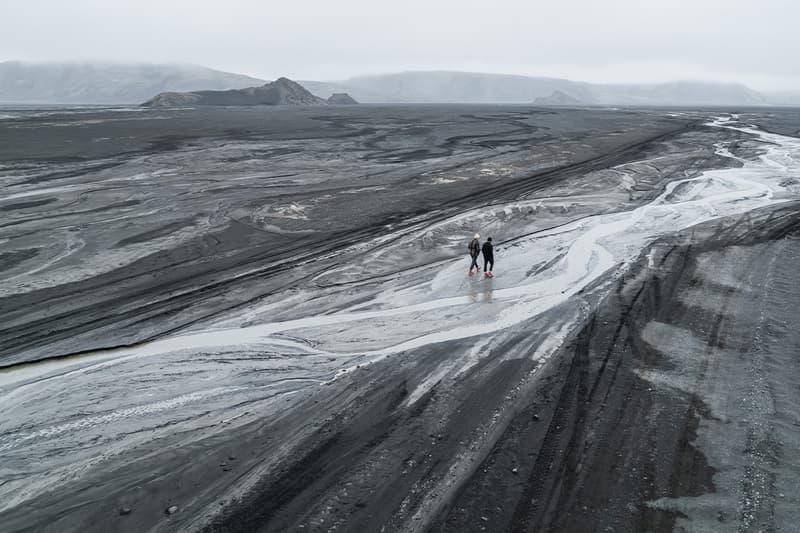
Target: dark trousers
<point>474,263</point>
<point>488,263</point>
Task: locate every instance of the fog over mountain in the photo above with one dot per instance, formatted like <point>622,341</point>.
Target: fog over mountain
<point>791,98</point>
<point>472,87</point>
<point>107,83</point>
<point>118,83</point>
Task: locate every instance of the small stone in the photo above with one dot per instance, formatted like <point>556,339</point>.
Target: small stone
<point>484,519</point>
<point>172,510</point>
<point>536,417</point>
<point>123,511</point>
<point>232,458</point>
<point>515,470</point>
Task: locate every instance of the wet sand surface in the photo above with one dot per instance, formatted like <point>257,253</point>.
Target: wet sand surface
<point>260,320</point>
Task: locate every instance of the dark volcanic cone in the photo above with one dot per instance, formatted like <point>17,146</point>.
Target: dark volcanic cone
<point>282,91</point>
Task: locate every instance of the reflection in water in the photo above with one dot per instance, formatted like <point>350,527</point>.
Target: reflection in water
<point>481,293</point>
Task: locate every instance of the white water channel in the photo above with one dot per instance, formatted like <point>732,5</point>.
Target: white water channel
<point>110,394</point>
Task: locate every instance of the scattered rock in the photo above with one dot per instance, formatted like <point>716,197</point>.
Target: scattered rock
<point>172,510</point>
<point>123,511</point>
<point>341,99</point>
<point>557,98</point>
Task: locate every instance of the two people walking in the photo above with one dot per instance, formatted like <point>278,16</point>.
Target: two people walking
<point>475,249</point>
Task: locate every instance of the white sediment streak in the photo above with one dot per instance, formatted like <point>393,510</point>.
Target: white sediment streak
<point>594,246</point>
<point>209,371</point>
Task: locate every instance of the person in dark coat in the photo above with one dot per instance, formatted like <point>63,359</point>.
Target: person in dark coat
<point>488,258</point>
<point>474,251</point>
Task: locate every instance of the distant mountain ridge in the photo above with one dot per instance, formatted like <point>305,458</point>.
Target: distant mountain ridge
<point>557,98</point>
<point>471,87</point>
<point>791,98</point>
<point>107,83</point>
<point>282,91</point>
<point>122,83</point>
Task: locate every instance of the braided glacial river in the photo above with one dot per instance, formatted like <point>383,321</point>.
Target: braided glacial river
<point>62,419</point>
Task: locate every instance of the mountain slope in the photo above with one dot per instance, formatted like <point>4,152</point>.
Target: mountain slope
<point>788,98</point>
<point>282,91</point>
<point>107,83</point>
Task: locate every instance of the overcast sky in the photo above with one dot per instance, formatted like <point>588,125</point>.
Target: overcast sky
<point>753,42</point>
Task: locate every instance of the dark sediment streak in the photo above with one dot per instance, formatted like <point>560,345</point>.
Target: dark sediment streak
<point>602,443</point>
<point>158,294</point>
<point>629,426</point>
<point>590,445</point>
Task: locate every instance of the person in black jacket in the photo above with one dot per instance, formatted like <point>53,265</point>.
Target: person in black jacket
<point>474,251</point>
<point>488,258</point>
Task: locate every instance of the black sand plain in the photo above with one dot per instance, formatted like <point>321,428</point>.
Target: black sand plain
<point>259,319</point>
